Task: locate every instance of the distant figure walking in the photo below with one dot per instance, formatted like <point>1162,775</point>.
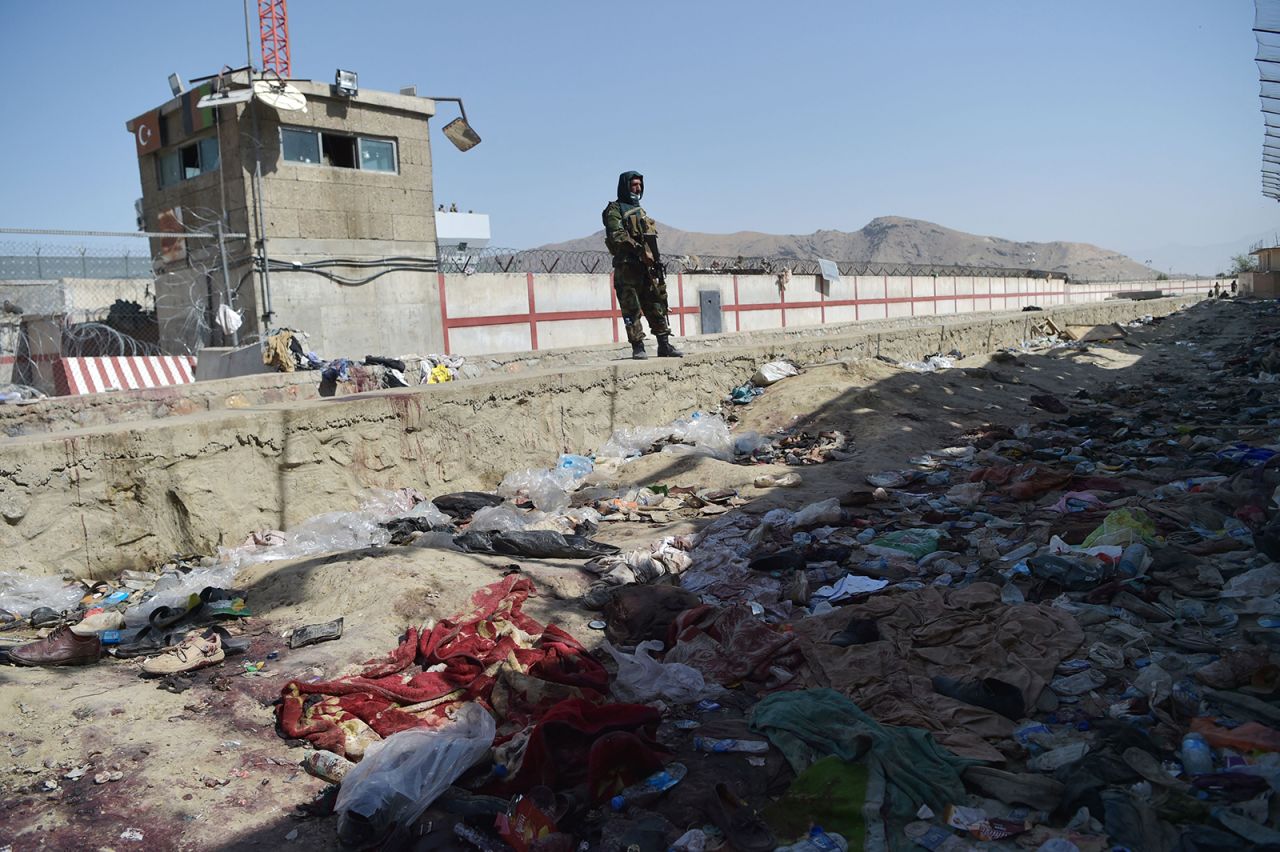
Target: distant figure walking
<point>638,277</point>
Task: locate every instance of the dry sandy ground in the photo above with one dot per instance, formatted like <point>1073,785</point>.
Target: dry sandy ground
<point>205,769</point>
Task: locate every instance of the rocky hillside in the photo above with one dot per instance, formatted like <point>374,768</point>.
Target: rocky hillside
<point>894,239</point>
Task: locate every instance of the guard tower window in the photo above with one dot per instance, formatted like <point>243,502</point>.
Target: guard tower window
<point>187,162</point>
<point>338,150</point>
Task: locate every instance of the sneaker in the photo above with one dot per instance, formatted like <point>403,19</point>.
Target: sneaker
<point>194,652</point>
<point>59,648</point>
<point>106,619</point>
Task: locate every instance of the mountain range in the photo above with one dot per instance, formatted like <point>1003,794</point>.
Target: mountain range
<point>896,239</point>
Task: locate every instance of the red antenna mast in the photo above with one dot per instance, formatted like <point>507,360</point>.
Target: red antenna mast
<point>273,20</point>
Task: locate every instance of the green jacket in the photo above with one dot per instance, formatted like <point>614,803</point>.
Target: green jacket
<point>626,225</point>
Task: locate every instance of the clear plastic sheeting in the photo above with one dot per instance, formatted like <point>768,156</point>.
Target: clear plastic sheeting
<point>1266,28</point>
<point>333,532</point>
<point>547,489</point>
<point>399,778</point>
<point>707,434</point>
<point>1266,17</point>
<point>20,594</point>
<point>929,365</point>
<point>507,518</point>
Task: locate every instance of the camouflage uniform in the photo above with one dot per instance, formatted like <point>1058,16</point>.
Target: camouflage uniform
<point>626,227</point>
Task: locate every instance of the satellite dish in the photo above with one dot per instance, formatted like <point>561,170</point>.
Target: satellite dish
<point>279,95</point>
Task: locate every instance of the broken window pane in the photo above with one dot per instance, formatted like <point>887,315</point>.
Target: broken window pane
<point>300,146</point>
<point>208,154</point>
<point>169,168</point>
<point>377,155</point>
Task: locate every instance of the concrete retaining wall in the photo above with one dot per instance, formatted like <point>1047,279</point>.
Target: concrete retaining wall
<point>94,501</point>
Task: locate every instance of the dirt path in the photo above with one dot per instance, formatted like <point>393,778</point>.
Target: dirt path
<point>205,769</point>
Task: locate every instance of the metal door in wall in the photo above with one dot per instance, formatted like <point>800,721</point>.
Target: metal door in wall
<point>709,310</point>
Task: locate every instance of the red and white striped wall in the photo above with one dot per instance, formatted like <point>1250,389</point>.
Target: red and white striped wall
<point>95,375</point>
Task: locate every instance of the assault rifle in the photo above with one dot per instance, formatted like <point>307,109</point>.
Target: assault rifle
<point>654,270</point>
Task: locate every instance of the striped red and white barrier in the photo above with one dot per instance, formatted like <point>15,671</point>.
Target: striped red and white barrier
<point>95,375</point>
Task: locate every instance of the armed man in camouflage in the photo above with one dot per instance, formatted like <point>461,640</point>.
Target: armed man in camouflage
<point>638,278</point>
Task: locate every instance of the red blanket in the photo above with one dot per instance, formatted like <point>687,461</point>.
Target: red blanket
<point>496,654</point>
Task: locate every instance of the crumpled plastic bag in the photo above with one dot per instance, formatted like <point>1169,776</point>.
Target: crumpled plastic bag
<point>1256,583</point>
<point>547,489</point>
<point>818,514</point>
<point>642,679</point>
<point>774,371</point>
<point>20,593</point>
<point>1122,528</point>
<point>913,543</point>
<point>706,432</point>
<point>384,794</point>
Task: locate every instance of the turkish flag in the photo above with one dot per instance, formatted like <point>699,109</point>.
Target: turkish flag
<point>146,132</point>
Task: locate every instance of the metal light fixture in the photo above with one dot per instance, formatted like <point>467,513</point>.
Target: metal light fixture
<point>458,131</point>
<point>347,83</point>
<point>175,84</point>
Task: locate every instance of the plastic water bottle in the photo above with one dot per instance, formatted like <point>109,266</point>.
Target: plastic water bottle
<point>1011,594</point>
<point>818,841</point>
<point>1132,559</point>
<point>1197,757</point>
<point>326,766</point>
<point>749,746</point>
<point>650,788</point>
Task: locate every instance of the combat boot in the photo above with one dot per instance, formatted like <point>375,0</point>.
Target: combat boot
<point>637,350</point>
<point>665,349</point>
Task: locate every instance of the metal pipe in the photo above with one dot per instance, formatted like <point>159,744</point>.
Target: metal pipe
<point>226,281</point>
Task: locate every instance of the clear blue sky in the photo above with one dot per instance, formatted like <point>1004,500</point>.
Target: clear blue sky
<point>1134,125</point>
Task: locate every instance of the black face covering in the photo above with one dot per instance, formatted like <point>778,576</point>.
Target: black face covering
<point>625,195</point>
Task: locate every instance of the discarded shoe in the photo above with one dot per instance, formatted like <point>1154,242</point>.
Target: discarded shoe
<point>1139,607</point>
<point>1233,669</point>
<point>859,632</point>
<point>743,828</point>
<point>194,652</point>
<point>993,694</point>
<point>60,648</point>
<point>1149,768</point>
<point>313,633</point>
<point>107,619</point>
<point>1024,788</point>
<point>43,616</point>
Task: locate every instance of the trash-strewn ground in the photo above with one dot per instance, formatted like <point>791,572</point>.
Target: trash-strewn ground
<point>965,506</point>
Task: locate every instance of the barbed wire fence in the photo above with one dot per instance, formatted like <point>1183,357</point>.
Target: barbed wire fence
<point>89,293</point>
<point>556,260</point>
<point>94,293</point>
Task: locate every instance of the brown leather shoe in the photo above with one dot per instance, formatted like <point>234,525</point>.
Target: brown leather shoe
<point>59,648</point>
